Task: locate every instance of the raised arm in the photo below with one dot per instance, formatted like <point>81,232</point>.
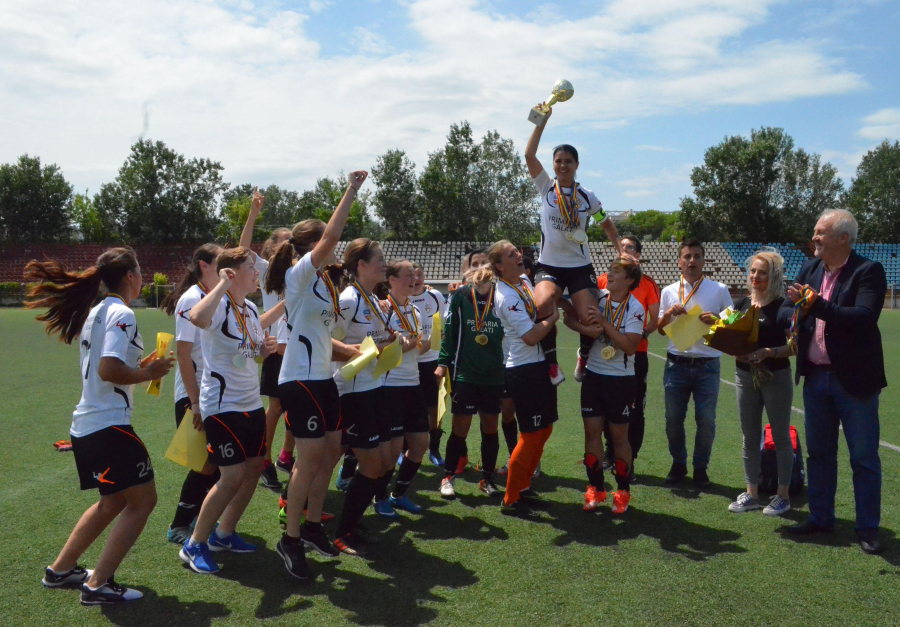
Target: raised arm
<point>338,220</point>
<point>256,205</point>
<point>612,233</point>
<point>202,313</point>
<point>531,160</point>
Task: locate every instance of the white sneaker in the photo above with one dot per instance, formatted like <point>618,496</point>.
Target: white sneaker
<point>556,374</point>
<point>777,506</point>
<point>109,593</point>
<point>744,503</point>
<point>580,365</point>
<point>447,490</point>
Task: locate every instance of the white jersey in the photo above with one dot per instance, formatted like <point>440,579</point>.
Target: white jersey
<point>556,250</point>
<point>513,315</point>
<point>270,300</point>
<point>230,374</point>
<point>710,296</point>
<point>310,320</point>
<point>185,331</point>
<point>429,303</point>
<point>109,331</point>
<point>621,365</point>
<point>359,322</point>
<point>407,373</point>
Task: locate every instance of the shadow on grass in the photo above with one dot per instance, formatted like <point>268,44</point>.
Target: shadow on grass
<point>843,535</point>
<point>156,610</point>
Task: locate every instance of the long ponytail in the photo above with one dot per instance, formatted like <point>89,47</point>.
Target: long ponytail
<point>304,236</point>
<point>69,296</point>
<point>206,253</point>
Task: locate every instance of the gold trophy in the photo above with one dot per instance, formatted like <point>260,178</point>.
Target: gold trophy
<point>561,92</point>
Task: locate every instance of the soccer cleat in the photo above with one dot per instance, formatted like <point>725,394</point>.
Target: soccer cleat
<point>282,517</point>
<point>363,535</point>
<point>284,464</point>
<point>383,508</point>
<point>593,498</point>
<point>341,484</point>
<point>580,365</point>
<point>294,559</point>
<point>269,479</point>
<point>448,490</point>
<point>317,541</point>
<point>110,593</point>
<point>744,503</point>
<point>325,516</point>
<point>489,487</point>
<point>518,509</point>
<point>74,577</point>
<point>777,506</point>
<point>528,493</point>
<point>177,535</point>
<point>233,543</point>
<point>198,557</point>
<point>282,502</point>
<point>461,466</point>
<point>556,374</point>
<point>435,459</point>
<point>349,545</point>
<point>403,502</point>
<point>503,470</point>
<point>620,501</point>
<point>537,471</point>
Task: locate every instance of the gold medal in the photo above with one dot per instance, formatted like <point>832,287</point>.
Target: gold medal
<point>569,236</point>
<point>608,352</point>
<point>339,334</point>
<point>481,316</point>
<point>258,359</point>
<point>481,339</point>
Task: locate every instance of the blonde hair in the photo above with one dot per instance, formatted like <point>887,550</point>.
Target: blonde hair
<point>775,265</point>
<point>479,276</point>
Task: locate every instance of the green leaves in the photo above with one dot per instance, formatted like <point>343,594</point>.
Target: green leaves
<point>35,202</point>
<point>874,196</point>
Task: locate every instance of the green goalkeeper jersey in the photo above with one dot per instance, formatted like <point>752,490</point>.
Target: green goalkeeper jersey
<point>468,360</point>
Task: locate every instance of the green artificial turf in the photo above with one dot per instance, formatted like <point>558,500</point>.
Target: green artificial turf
<point>677,557</point>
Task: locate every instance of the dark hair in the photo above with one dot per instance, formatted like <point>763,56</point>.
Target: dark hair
<point>268,247</point>
<point>360,249</point>
<point>467,258</point>
<point>691,243</point>
<point>566,148</point>
<point>304,236</point>
<point>393,269</point>
<point>207,254</point>
<point>232,258</point>
<point>70,295</point>
<point>528,262</point>
<point>632,270</point>
<point>634,238</point>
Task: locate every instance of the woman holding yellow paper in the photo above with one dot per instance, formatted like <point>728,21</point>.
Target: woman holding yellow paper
<point>109,456</point>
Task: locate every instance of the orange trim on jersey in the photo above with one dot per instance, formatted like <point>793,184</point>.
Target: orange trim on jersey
<point>133,436</point>
<point>232,435</point>
<point>102,475</point>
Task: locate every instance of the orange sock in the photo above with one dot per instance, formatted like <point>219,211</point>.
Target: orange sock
<point>524,461</point>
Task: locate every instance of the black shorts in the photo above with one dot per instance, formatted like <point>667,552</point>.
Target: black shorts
<point>364,417</point>
<point>235,436</point>
<point>406,405</point>
<point>268,380</point>
<point>428,383</point>
<point>181,407</point>
<point>311,408</point>
<point>533,395</point>
<point>573,279</point>
<point>111,460</point>
<point>609,397</point>
<point>470,398</point>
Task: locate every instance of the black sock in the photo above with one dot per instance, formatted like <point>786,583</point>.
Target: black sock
<point>359,495</point>
<point>510,434</point>
<point>434,441</point>
<point>594,471</point>
<point>349,466</point>
<point>193,491</point>
<point>455,447</point>
<point>490,447</point>
<point>623,471</point>
<point>585,348</point>
<point>213,479</point>
<point>382,484</point>
<point>549,345</point>
<point>408,470</point>
<point>284,491</point>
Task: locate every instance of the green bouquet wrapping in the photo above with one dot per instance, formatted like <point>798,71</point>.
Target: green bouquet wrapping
<point>735,333</point>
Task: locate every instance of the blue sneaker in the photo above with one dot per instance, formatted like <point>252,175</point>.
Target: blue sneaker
<point>403,502</point>
<point>435,460</point>
<point>233,543</point>
<point>198,558</point>
<point>384,509</point>
<point>342,484</point>
<point>400,459</point>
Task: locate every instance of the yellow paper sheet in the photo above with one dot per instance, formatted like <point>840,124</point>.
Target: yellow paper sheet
<point>443,395</point>
<point>188,447</point>
<point>686,329</point>
<point>356,365</point>
<point>390,358</point>
<point>163,340</point>
<point>437,327</point>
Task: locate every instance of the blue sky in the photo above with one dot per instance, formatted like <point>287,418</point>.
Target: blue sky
<point>286,92</point>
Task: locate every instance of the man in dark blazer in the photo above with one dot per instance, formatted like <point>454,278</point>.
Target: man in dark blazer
<point>840,354</point>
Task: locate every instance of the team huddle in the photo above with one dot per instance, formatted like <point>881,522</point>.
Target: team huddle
<point>497,350</point>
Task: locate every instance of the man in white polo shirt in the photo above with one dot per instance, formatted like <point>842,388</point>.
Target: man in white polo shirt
<point>694,371</point>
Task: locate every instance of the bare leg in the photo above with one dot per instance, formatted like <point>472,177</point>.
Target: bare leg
<point>319,486</point>
<point>235,509</point>
<point>418,444</point>
<point>310,453</point>
<point>218,499</point>
<point>273,413</point>
<point>89,527</point>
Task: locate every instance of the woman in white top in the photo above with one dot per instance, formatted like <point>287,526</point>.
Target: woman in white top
<point>564,261</point>
<point>109,456</point>
<point>609,388</point>
<point>200,277</point>
<point>306,385</point>
<point>231,339</point>
<point>527,380</point>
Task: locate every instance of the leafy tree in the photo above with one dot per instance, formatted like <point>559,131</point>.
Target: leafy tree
<point>396,199</point>
<point>282,209</point>
<point>35,202</point>
<point>234,216</point>
<point>93,226</point>
<point>649,224</point>
<point>874,196</point>
<point>160,197</point>
<point>321,201</point>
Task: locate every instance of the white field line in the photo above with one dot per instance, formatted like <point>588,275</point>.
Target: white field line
<point>796,410</point>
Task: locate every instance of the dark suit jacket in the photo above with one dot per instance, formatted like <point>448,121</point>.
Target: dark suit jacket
<point>851,316</point>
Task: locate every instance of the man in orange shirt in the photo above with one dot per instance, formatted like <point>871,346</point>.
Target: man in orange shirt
<point>647,294</point>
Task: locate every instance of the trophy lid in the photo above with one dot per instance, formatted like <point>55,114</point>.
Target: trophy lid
<point>563,90</point>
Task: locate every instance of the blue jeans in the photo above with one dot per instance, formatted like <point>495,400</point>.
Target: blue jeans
<point>828,406</point>
<point>681,381</point>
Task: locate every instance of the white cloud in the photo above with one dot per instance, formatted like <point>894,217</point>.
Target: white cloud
<point>883,124</point>
<point>252,88</point>
<point>652,184</point>
<point>652,148</point>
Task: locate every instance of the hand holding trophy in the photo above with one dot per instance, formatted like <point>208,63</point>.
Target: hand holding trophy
<point>561,92</point>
